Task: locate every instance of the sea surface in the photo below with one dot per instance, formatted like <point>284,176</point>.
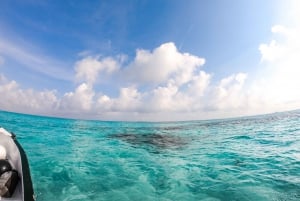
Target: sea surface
<point>250,158</point>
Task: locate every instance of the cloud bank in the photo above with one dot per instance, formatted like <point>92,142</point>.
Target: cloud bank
<point>165,84</point>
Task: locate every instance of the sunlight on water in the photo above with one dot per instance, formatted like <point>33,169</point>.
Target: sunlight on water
<point>254,158</point>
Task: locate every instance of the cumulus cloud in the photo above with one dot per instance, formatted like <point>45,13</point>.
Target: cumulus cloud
<point>282,61</point>
<point>199,84</point>
<point>14,98</point>
<point>180,89</point>
<point>278,49</point>
<point>129,100</point>
<point>81,100</point>
<point>89,68</point>
<point>164,98</point>
<point>229,93</point>
<point>166,84</point>
<point>163,64</point>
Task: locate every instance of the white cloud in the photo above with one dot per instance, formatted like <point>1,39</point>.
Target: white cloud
<point>79,101</point>
<point>128,100</point>
<point>163,64</point>
<point>14,98</point>
<point>281,57</point>
<point>159,84</point>
<point>89,68</point>
<point>279,84</point>
<point>285,46</point>
<point>165,84</point>
<point>229,93</point>
<point>199,84</point>
<point>163,98</point>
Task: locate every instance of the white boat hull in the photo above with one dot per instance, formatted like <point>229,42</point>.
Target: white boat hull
<point>18,160</point>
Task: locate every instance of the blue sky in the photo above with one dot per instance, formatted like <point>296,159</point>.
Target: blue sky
<point>146,60</point>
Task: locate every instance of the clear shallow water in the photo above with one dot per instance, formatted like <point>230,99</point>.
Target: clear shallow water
<point>254,158</point>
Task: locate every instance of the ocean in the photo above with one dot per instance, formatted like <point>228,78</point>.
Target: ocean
<point>250,158</point>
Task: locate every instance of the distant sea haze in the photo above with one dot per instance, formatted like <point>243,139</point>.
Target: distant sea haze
<point>255,158</point>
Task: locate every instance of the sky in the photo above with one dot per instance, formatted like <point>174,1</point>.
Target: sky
<point>149,60</point>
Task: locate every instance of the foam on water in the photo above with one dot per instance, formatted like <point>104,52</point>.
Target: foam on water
<point>254,158</point>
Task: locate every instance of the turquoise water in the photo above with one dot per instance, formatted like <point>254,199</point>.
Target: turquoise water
<point>255,158</point>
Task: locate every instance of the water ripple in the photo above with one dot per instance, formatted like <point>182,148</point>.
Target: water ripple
<point>253,158</point>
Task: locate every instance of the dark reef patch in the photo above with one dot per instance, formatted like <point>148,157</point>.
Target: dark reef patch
<point>154,140</point>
